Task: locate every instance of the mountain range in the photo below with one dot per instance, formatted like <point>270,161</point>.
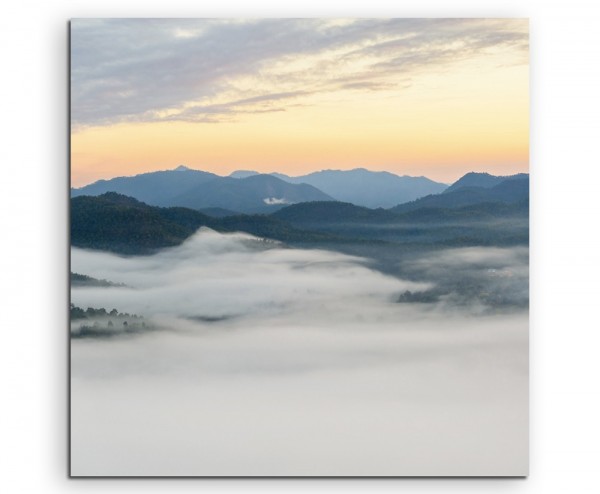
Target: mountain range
<point>200,190</point>
<point>367,188</point>
<point>361,186</point>
<point>468,215</point>
<point>250,192</point>
<point>346,193</point>
<point>122,224</point>
<point>508,190</point>
<point>484,180</point>
<point>156,188</point>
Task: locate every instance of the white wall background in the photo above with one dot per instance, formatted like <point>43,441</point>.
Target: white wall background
<point>565,332</point>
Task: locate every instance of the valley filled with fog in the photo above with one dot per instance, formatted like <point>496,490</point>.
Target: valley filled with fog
<point>256,358</point>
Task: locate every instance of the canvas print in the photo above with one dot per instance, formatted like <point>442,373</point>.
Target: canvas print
<point>299,247</point>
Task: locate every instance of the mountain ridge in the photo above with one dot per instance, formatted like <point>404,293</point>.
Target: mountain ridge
<point>509,190</point>
<point>122,224</point>
<point>249,192</point>
<point>482,179</point>
<point>368,188</point>
<point>197,189</point>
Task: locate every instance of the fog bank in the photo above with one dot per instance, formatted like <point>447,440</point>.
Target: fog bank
<point>276,361</point>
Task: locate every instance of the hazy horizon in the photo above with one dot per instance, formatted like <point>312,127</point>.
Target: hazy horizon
<point>432,97</point>
<point>316,170</point>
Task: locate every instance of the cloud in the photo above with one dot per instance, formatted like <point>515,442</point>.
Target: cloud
<point>274,200</point>
<point>214,275</point>
<point>218,112</point>
<point>494,278</point>
<point>126,70</point>
<point>279,361</point>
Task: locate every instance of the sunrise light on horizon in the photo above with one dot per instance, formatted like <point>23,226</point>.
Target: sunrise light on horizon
<point>431,97</point>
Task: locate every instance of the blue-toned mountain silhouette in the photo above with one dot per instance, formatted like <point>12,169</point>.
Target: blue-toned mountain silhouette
<point>495,213</point>
<point>252,193</point>
<point>201,190</point>
<point>366,188</point>
<point>506,190</point>
<point>485,180</point>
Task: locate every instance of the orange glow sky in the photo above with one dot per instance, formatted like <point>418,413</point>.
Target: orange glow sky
<point>415,97</point>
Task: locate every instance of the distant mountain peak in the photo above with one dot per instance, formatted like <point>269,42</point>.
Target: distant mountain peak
<point>368,188</point>
<point>182,168</point>
<point>482,179</point>
<point>468,174</point>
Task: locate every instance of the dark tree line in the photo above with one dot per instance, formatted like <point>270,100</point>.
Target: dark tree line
<point>91,313</point>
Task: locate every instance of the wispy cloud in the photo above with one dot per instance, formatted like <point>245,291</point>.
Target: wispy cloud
<point>212,70</point>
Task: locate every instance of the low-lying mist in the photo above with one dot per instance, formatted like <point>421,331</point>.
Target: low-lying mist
<point>267,360</point>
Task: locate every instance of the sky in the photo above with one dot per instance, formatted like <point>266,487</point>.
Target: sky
<point>420,97</point>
